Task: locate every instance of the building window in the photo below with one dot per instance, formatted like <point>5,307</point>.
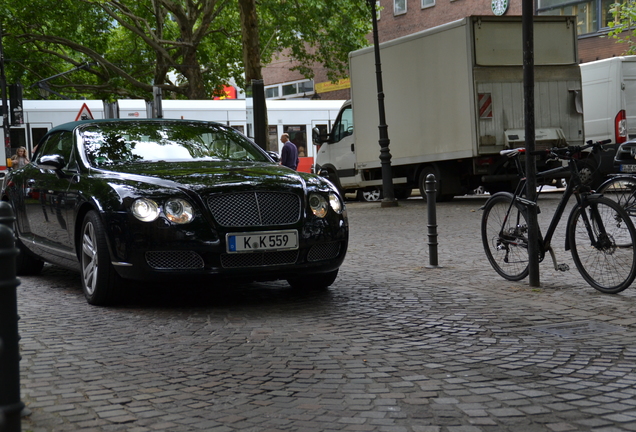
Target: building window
<point>306,86</point>
<point>290,90</point>
<point>427,3</point>
<point>399,7</point>
<point>591,15</point>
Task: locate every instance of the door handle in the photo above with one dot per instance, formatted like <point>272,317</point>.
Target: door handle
<point>352,148</point>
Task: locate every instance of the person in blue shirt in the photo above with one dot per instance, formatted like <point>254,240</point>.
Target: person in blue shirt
<point>289,154</point>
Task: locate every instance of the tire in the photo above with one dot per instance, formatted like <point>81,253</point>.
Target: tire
<point>621,189</point>
<point>610,265</point>
<point>370,194</point>
<point>508,255</point>
<point>26,264</point>
<point>314,282</point>
<point>100,282</point>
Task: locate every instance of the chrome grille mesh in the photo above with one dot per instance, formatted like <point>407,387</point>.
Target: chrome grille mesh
<point>174,260</point>
<point>259,259</point>
<point>323,251</point>
<point>255,208</point>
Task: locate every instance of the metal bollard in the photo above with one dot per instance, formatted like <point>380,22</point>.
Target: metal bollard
<point>10,404</point>
<point>432,220</point>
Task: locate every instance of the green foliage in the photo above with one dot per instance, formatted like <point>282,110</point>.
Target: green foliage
<point>108,50</point>
<point>622,27</point>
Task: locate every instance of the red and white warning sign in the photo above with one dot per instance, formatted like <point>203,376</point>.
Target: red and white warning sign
<point>485,105</point>
<point>84,113</point>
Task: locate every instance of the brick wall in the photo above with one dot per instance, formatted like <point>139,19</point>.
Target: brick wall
<point>597,48</point>
<point>417,19</point>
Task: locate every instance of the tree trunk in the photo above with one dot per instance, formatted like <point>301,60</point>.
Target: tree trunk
<point>252,61</point>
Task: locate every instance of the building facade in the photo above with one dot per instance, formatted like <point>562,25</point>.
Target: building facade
<point>398,18</point>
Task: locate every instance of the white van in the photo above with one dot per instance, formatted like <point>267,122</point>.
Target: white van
<point>609,102</point>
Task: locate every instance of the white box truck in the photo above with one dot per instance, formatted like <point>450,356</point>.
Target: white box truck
<point>453,100</point>
<point>609,103</point>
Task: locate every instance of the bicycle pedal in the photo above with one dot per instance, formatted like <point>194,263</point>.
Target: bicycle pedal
<point>563,267</point>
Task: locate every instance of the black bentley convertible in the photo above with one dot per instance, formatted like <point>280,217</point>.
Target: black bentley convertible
<point>161,199</point>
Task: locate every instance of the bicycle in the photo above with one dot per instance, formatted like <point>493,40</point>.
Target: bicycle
<point>599,232</point>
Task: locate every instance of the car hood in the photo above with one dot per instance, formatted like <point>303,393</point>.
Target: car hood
<point>207,177</point>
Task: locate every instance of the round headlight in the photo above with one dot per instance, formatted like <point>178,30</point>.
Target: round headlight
<point>178,211</point>
<point>145,210</point>
<point>335,203</point>
<point>318,205</point>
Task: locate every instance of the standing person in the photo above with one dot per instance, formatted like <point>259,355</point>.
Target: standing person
<point>20,159</point>
<point>289,154</point>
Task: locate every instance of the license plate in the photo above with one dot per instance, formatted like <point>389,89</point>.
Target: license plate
<point>627,168</point>
<point>262,241</point>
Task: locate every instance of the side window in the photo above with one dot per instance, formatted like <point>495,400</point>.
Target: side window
<point>344,125</point>
<point>60,143</point>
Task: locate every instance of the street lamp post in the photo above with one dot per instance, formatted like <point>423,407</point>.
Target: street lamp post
<point>385,155</point>
<point>6,142</point>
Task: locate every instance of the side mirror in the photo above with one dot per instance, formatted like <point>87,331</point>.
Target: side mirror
<point>316,138</point>
<point>274,156</point>
<point>54,162</point>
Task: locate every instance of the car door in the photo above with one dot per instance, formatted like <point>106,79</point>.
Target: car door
<point>47,209</point>
<point>340,151</point>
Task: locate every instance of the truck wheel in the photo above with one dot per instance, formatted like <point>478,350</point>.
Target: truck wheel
<point>370,194</point>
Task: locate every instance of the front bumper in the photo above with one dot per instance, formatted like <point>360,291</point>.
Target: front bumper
<point>157,251</point>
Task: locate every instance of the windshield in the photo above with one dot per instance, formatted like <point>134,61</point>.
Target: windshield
<point>123,142</point>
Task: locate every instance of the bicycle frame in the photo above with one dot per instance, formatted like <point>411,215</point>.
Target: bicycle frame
<point>574,187</point>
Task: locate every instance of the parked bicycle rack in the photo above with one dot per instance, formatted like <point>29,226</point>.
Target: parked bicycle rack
<point>10,404</point>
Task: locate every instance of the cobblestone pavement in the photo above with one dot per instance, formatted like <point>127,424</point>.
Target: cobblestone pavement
<point>393,346</point>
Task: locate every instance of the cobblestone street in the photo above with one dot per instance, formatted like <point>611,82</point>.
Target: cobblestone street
<point>392,346</point>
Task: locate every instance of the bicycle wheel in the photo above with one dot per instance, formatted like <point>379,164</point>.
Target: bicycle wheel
<point>604,253</point>
<point>621,189</point>
<point>505,236</point>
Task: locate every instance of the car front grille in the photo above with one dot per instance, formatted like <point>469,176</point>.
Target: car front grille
<point>255,209</point>
<point>323,251</point>
<point>259,259</point>
<point>174,260</point>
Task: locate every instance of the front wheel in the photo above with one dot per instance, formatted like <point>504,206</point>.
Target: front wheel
<point>371,194</point>
<point>100,282</point>
<point>601,238</point>
<point>504,233</point>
